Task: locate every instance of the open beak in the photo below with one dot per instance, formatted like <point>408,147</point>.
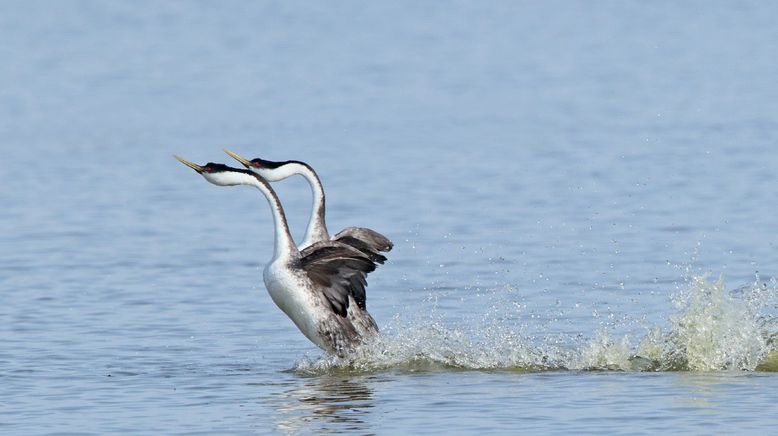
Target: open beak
<point>191,165</point>
<point>245,163</point>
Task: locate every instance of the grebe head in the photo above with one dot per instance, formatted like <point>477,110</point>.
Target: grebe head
<point>269,170</point>
<point>220,174</point>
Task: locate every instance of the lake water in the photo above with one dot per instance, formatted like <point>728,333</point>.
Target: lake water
<point>582,197</point>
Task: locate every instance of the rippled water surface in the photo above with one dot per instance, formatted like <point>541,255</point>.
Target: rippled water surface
<point>582,197</point>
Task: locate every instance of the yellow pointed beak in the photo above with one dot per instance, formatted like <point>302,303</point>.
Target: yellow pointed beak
<point>238,158</point>
<point>191,165</point>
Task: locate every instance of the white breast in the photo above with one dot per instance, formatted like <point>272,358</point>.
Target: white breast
<point>290,292</point>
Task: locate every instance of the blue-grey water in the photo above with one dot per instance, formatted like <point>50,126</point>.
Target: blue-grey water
<point>582,197</point>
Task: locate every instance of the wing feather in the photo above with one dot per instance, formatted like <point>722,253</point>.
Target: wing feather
<point>368,241</point>
<point>339,270</point>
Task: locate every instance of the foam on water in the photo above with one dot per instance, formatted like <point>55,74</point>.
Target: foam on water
<point>710,330</point>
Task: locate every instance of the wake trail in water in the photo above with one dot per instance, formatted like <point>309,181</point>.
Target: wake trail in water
<point>710,330</point>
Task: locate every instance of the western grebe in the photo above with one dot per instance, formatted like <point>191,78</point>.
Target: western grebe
<point>322,288</point>
<point>368,241</point>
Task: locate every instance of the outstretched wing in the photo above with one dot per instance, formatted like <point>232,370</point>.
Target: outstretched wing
<point>369,242</point>
<point>339,270</point>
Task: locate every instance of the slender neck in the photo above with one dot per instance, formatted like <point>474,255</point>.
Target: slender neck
<point>317,228</point>
<point>284,244</point>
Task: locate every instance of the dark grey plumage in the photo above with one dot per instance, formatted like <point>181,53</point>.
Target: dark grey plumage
<point>369,242</point>
<point>340,271</point>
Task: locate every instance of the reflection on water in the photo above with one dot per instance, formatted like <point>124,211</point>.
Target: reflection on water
<point>706,390</point>
<point>324,404</point>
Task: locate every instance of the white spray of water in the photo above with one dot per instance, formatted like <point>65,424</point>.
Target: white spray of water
<point>711,330</point>
<point>715,330</point>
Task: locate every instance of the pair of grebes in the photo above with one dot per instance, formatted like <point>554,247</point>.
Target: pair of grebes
<point>320,284</point>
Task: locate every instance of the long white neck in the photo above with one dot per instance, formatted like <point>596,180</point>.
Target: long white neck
<point>317,228</point>
<point>284,244</point>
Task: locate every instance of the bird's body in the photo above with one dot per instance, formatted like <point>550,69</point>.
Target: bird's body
<point>292,291</point>
<point>322,288</point>
<point>318,310</point>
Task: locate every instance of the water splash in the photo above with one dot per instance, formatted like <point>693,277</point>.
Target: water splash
<point>710,330</point>
<point>715,330</point>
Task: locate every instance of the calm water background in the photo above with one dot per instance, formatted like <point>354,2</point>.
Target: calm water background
<point>559,170</point>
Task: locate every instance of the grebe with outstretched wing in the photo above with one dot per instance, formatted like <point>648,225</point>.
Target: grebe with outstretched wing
<point>321,288</point>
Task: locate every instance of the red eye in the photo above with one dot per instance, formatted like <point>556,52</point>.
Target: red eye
<point>208,169</point>
<point>255,164</point>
